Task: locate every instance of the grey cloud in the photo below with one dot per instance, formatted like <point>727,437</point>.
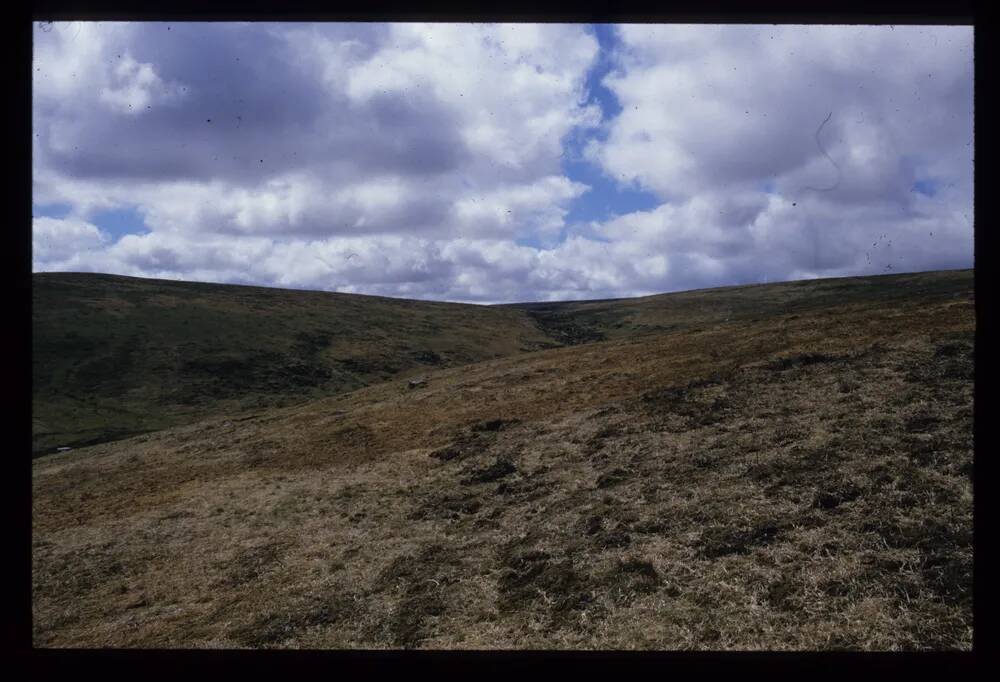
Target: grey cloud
<point>248,110</point>
<point>406,134</point>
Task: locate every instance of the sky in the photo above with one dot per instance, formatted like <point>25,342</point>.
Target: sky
<point>499,163</point>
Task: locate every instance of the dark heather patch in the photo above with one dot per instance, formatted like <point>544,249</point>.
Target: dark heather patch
<point>533,580</point>
<point>781,594</point>
<point>631,578</point>
<point>250,564</point>
<point>447,507</point>
<point>419,583</point>
<point>929,535</point>
<point>834,496</point>
<point>463,447</point>
<point>718,541</point>
<point>494,472</point>
<point>592,525</point>
<point>921,423</point>
<point>802,360</point>
<point>653,527</point>
<point>407,624</point>
<point>612,539</point>
<point>613,477</point>
<point>949,575</point>
<point>448,453</point>
<point>608,431</point>
<point>952,349</point>
<point>950,361</point>
<point>80,571</point>
<point>427,357</point>
<point>679,408</point>
<point>494,425</point>
<point>276,627</point>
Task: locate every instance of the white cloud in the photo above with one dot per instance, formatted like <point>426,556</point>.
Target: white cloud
<point>415,160</point>
<point>734,106</point>
<point>64,240</point>
<point>790,151</point>
<point>135,87</point>
<point>432,129</point>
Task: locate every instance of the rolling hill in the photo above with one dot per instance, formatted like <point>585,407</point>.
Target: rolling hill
<point>115,356</point>
<point>783,466</point>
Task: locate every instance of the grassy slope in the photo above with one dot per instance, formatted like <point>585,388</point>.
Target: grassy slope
<point>583,321</point>
<point>799,478</point>
<point>114,356</point>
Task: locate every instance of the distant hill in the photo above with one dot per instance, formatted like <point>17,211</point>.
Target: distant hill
<point>115,356</point>
<point>580,321</point>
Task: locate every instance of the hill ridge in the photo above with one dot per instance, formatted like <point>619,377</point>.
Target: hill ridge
<point>117,355</point>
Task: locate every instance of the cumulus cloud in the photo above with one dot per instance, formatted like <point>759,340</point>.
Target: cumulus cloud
<point>64,241</point>
<point>428,160</point>
<point>135,86</point>
<point>312,131</point>
<point>735,105</point>
<point>794,151</point>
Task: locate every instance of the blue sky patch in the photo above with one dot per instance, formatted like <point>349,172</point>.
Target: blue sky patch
<point>57,211</point>
<point>596,92</point>
<point>926,187</point>
<point>606,197</point>
<point>120,222</point>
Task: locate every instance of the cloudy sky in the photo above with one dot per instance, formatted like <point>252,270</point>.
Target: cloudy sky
<point>498,163</point>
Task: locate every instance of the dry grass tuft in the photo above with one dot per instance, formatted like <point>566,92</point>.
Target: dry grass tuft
<point>808,489</point>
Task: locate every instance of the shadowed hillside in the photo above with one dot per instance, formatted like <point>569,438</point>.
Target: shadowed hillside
<point>114,356</point>
<point>778,467</point>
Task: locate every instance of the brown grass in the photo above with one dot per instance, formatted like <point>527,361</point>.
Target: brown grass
<point>799,482</point>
